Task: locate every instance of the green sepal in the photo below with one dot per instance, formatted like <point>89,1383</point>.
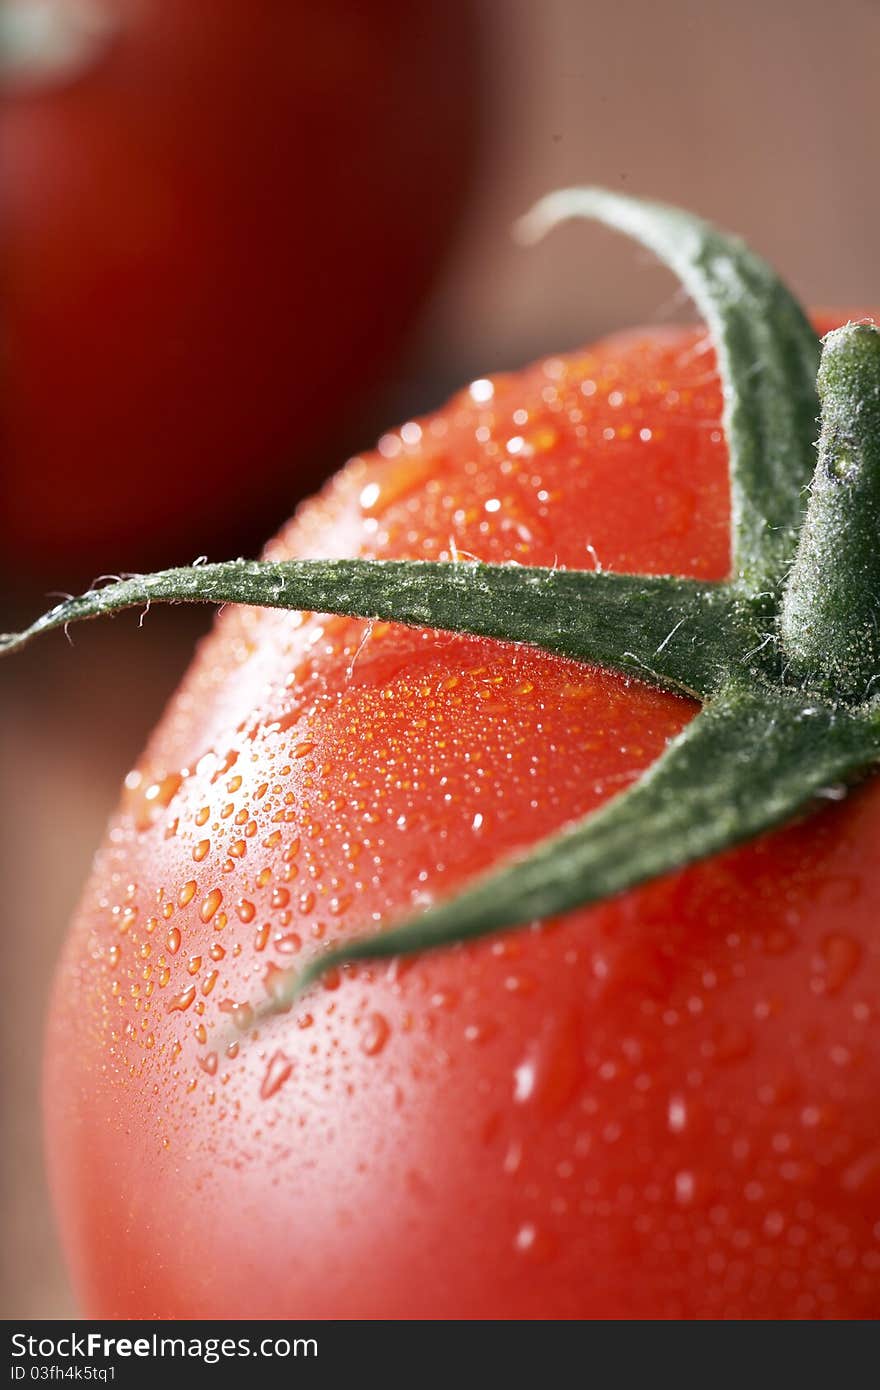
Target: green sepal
<point>676,633</point>
<point>768,356</point>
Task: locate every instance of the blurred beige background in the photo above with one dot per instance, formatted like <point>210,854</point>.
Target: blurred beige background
<point>761,116</point>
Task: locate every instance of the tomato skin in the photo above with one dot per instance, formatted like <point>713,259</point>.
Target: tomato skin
<point>664,1106</point>
<point>215,238</point>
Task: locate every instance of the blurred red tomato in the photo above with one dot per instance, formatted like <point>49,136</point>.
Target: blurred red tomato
<point>218,222</point>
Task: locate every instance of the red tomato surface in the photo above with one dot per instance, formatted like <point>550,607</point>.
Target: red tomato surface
<point>214,238</point>
<point>664,1106</point>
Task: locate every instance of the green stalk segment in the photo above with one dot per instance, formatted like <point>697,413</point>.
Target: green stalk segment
<point>830,622</point>
<point>678,634</point>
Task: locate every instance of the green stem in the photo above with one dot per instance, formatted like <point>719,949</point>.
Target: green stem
<point>830,620</point>
<point>676,633</point>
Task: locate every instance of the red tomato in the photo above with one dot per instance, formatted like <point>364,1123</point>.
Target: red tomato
<point>664,1106</point>
<point>215,235</point>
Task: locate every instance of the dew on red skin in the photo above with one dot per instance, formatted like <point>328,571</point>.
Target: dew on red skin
<point>678,1003</point>
<point>277,1072</point>
<point>210,904</point>
<point>533,1244</point>
<point>181,1001</point>
<point>552,1069</point>
<point>375,1034</point>
<point>836,962</point>
<point>146,799</point>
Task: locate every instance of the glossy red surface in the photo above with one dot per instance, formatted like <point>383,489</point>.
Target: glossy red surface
<point>664,1106</point>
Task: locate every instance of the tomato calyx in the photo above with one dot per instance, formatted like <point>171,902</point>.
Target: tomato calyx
<point>784,656</point>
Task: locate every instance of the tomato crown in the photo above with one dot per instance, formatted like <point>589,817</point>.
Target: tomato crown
<point>784,656</point>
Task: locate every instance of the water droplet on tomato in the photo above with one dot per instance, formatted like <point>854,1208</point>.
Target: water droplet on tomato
<point>524,1080</point>
<point>210,904</point>
<point>279,1069</point>
<point>125,918</point>
<point>146,802</point>
<point>552,1069</point>
<point>172,941</point>
<point>534,1244</point>
<point>520,985</point>
<point>181,1001</point>
<point>676,1114</point>
<point>276,983</point>
<point>778,940</point>
<point>375,1034</point>
<point>684,1188</point>
<point>863,1175</point>
<point>837,961</point>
